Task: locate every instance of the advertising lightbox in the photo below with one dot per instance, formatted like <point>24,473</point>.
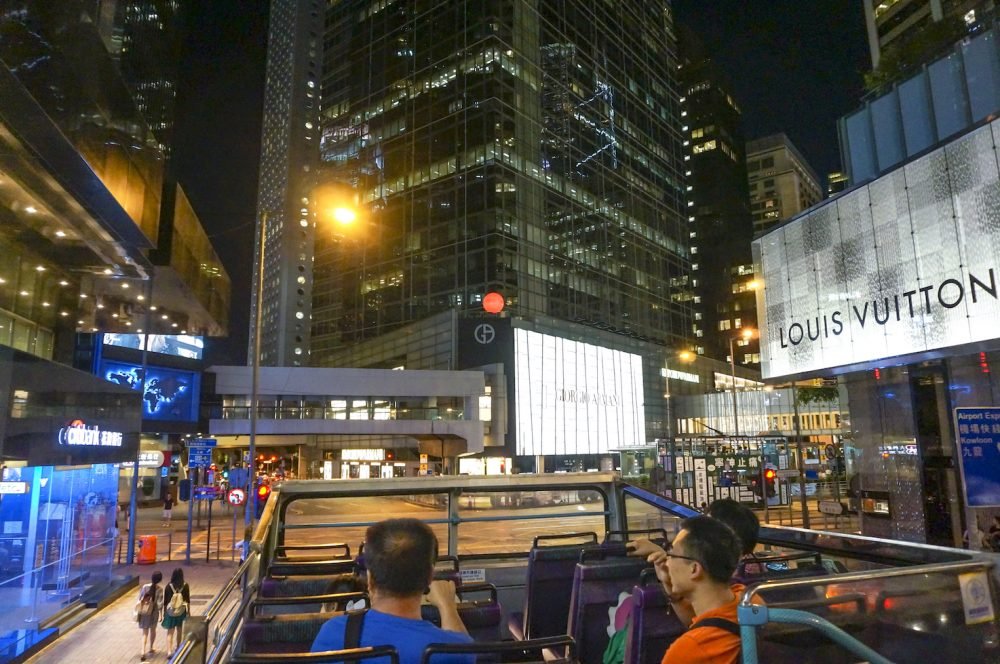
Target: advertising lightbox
<point>178,345</point>
<point>905,265</point>
<point>170,394</point>
<point>573,398</point>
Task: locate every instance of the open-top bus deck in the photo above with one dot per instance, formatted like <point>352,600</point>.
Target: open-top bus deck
<point>540,563</point>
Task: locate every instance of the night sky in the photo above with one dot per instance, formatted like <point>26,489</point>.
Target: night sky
<point>796,67</point>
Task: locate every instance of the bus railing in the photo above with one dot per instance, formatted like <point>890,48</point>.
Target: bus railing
<point>753,616</point>
<point>209,637</point>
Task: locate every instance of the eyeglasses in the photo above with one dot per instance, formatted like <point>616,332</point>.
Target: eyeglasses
<point>668,550</point>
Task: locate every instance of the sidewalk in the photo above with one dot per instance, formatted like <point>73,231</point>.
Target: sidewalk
<point>111,636</point>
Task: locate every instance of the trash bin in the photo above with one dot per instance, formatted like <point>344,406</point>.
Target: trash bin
<point>147,550</point>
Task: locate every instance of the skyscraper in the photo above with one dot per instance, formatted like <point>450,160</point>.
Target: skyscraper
<point>916,29</point>
<point>782,183</point>
<point>289,152</point>
<point>721,227</point>
<point>528,149</point>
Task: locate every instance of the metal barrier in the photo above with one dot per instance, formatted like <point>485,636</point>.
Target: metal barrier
<point>200,550</point>
<point>753,616</point>
<point>209,637</point>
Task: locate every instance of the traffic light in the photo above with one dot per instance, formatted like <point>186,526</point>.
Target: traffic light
<point>184,489</point>
<point>769,475</point>
<point>260,498</point>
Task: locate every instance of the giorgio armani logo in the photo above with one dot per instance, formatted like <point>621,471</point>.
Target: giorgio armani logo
<point>585,397</point>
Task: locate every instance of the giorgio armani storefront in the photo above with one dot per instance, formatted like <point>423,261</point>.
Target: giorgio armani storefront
<point>61,432</point>
<point>894,286</point>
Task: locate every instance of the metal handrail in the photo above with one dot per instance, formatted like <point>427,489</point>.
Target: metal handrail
<point>236,579</point>
<point>754,615</point>
<point>868,575</point>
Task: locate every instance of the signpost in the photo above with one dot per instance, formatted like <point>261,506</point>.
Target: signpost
<point>236,497</point>
<point>978,432</point>
<point>199,456</point>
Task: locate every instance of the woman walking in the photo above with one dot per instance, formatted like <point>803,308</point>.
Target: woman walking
<point>176,602</point>
<point>147,613</point>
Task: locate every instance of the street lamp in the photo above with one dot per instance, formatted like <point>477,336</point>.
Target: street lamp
<point>746,335</point>
<point>683,356</point>
<point>339,204</point>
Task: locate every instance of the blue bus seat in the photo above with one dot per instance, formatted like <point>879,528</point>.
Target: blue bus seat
<point>283,634</point>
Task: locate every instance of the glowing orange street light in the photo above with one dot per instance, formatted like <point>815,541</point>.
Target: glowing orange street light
<point>493,303</point>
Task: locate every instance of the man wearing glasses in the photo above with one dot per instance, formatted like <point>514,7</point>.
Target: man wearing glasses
<point>696,569</point>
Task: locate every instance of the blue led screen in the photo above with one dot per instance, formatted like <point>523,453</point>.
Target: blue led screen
<point>171,394</point>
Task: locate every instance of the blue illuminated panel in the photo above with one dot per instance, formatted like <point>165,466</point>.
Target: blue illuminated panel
<point>171,395</point>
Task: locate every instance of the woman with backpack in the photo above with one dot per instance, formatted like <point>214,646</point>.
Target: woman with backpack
<point>176,602</point>
<point>147,613</point>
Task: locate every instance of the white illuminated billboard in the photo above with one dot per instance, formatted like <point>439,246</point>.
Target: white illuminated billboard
<point>181,345</point>
<point>903,266</point>
<point>574,398</point>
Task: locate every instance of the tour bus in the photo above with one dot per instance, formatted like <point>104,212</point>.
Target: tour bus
<point>551,581</point>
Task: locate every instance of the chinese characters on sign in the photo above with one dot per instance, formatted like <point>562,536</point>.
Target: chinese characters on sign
<point>978,432</point>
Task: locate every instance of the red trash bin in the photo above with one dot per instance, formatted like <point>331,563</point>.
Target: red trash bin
<point>147,550</point>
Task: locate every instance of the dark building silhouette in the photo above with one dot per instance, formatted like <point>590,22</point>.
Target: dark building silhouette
<point>718,207</point>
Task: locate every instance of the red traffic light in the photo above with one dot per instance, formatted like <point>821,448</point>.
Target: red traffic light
<point>770,474</point>
<point>263,491</point>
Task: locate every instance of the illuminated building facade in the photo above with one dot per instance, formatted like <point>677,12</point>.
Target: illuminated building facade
<point>529,149</point>
<point>289,140</point>
<point>782,183</point>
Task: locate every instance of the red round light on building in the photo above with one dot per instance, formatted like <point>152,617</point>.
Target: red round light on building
<point>493,303</point>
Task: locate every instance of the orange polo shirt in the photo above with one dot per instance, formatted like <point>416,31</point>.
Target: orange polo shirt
<point>708,645</point>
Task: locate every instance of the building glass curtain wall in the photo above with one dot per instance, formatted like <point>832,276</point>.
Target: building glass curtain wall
<point>531,149</point>
<point>62,432</point>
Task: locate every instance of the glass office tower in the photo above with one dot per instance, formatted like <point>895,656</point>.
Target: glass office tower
<point>528,148</point>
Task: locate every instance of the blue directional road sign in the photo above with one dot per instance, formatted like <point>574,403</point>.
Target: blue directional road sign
<point>199,457</point>
<point>203,442</point>
<point>978,432</point>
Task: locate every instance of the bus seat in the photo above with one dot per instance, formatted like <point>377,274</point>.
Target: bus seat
<point>282,550</point>
<point>481,617</point>
<point>549,650</point>
<point>548,584</point>
<point>272,606</point>
<point>597,586</point>
<point>326,567</point>
<point>654,626</point>
<point>285,586</point>
<point>355,655</point>
<point>283,634</point>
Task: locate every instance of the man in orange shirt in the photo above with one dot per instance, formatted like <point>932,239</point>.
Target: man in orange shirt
<point>696,569</point>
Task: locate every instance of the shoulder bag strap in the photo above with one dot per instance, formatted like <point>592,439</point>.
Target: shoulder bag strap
<point>352,632</point>
<point>721,623</point>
